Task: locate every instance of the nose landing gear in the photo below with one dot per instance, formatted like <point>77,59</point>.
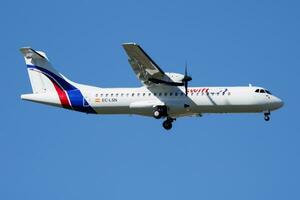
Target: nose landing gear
<point>267,116</point>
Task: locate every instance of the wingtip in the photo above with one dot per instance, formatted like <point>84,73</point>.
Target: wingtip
<point>24,48</point>
<point>130,43</point>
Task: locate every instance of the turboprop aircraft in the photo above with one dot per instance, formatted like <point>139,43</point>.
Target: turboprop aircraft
<point>163,94</point>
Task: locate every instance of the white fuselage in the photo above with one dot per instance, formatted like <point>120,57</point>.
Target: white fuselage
<point>200,100</point>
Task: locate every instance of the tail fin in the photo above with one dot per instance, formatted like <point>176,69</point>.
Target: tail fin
<point>41,73</point>
<point>46,82</point>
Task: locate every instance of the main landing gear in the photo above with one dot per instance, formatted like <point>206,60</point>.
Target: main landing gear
<point>267,116</point>
<point>161,112</point>
<point>167,124</point>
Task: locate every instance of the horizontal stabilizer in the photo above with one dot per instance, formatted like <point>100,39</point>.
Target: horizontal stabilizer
<point>28,52</point>
<point>44,98</point>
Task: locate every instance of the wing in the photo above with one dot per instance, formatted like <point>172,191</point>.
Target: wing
<point>147,71</point>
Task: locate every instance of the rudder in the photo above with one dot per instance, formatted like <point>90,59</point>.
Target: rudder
<point>40,71</point>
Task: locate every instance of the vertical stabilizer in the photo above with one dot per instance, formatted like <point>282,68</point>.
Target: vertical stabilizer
<point>46,82</point>
<point>40,71</point>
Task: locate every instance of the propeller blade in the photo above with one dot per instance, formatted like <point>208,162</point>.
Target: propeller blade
<point>186,88</point>
<point>186,79</point>
<point>186,76</point>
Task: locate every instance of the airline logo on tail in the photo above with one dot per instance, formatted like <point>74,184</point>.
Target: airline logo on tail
<point>60,85</point>
<point>70,96</point>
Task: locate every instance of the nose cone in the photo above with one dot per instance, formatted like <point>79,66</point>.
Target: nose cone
<point>277,103</point>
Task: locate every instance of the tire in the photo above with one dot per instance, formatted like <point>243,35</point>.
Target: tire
<point>167,124</point>
<point>267,118</point>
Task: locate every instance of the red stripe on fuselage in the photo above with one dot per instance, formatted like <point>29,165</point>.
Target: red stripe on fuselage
<point>62,95</point>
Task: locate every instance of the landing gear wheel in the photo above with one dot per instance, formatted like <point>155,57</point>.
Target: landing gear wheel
<point>267,116</point>
<point>167,124</point>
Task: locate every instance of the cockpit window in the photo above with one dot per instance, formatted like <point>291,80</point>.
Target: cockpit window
<point>268,92</point>
<point>262,91</point>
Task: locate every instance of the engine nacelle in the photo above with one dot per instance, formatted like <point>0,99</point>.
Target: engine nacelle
<point>176,77</point>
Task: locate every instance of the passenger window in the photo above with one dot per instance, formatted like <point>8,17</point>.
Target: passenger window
<point>176,93</point>
<point>106,95</point>
<point>111,94</point>
<point>132,94</point>
<point>181,94</point>
<point>159,94</point>
<point>166,94</point>
<point>171,93</point>
<point>149,94</point>
<point>138,94</point>
<point>154,94</point>
<point>122,94</point>
<point>144,94</point>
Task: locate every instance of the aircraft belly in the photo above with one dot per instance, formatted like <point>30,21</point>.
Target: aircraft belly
<point>181,106</point>
<point>229,109</point>
<point>112,110</point>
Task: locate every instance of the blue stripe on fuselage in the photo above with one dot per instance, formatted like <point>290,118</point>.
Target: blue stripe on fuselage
<point>78,102</point>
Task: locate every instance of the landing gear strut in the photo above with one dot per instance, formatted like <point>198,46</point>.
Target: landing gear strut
<point>267,116</point>
<point>167,124</point>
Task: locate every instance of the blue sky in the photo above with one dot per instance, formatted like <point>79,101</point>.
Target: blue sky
<point>51,153</point>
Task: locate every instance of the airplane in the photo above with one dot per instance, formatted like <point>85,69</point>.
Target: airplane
<point>163,95</point>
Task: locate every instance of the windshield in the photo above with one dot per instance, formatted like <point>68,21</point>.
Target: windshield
<point>262,91</point>
<point>268,92</point>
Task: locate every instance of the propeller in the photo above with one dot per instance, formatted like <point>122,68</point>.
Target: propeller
<point>186,79</point>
